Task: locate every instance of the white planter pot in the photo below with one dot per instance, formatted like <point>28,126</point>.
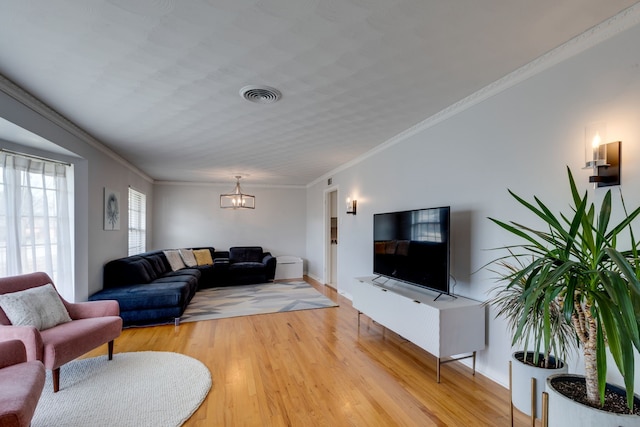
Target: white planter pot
<point>521,375</point>
<point>564,411</point>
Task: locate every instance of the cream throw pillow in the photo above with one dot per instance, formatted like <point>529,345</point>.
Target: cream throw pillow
<point>203,256</point>
<point>188,258</point>
<point>40,307</point>
<point>175,260</point>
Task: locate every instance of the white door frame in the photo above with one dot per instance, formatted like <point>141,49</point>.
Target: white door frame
<point>327,232</point>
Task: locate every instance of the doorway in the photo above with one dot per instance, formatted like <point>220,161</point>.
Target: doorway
<point>331,238</point>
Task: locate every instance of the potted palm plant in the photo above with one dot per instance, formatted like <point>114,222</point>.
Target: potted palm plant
<point>538,358</point>
<point>575,263</point>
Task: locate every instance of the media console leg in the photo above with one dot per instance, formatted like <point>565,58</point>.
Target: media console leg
<point>454,359</point>
<point>474,363</point>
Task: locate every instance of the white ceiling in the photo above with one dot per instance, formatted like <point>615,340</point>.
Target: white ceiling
<point>157,81</point>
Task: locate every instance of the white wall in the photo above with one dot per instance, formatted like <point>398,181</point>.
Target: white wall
<point>93,171</point>
<point>187,215</point>
<point>522,139</point>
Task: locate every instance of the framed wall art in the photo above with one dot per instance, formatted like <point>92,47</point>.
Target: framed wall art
<point>111,209</point>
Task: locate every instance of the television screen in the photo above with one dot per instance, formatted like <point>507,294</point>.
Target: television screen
<point>413,246</point>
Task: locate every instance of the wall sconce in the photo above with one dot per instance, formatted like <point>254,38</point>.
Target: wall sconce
<point>603,158</point>
<point>351,206</point>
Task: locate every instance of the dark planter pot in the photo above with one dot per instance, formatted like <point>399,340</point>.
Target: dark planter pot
<point>564,411</point>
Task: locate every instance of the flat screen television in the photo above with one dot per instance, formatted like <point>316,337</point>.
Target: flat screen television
<point>413,247</point>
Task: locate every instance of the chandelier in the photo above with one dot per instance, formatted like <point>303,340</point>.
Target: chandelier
<point>236,199</point>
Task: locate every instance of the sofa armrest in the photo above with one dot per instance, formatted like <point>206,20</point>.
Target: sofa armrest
<point>30,337</point>
<point>89,309</point>
<point>12,352</point>
<point>270,262</point>
<point>266,257</point>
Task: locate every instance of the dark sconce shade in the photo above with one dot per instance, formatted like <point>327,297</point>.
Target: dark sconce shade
<point>608,174</point>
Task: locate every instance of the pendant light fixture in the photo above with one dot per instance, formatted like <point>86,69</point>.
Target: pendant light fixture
<point>237,199</point>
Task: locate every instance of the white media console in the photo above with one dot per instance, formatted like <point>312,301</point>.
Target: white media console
<point>445,327</point>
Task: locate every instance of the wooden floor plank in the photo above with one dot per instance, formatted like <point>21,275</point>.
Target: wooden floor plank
<point>318,368</point>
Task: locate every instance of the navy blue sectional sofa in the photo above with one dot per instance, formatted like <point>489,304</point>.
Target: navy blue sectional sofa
<point>149,291</point>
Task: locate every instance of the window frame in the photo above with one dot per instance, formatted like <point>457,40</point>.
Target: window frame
<point>137,224</point>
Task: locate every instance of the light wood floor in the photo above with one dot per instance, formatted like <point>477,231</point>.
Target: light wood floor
<point>317,368</point>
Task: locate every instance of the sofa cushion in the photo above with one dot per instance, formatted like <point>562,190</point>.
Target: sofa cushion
<point>208,276</point>
<point>247,266</point>
<point>151,315</point>
<point>247,272</point>
<point>187,257</point>
<point>148,296</point>
<point>183,274</point>
<point>128,271</point>
<point>151,272</point>
<point>175,260</point>
<point>203,256</point>
<point>158,262</point>
<point>246,254</point>
<point>40,307</point>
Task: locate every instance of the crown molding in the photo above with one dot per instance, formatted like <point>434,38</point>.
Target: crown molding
<point>611,27</point>
<point>229,184</point>
<point>27,99</point>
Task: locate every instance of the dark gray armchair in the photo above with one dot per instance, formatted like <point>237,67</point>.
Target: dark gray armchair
<point>250,264</point>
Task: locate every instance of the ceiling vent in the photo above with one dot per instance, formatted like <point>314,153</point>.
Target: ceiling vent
<point>260,94</point>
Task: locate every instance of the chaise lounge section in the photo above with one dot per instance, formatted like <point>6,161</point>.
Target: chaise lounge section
<point>149,288</point>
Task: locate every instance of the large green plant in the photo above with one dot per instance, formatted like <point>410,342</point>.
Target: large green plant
<point>575,263</point>
<point>526,318</point>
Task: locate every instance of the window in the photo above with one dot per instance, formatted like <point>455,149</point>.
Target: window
<point>36,208</point>
<point>137,222</point>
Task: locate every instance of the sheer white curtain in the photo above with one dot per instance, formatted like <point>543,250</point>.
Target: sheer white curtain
<point>35,221</point>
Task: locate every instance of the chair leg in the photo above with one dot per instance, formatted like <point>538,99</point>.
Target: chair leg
<point>56,372</point>
<point>56,380</point>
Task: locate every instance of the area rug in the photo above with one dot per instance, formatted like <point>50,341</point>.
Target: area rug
<point>246,300</point>
<point>147,388</point>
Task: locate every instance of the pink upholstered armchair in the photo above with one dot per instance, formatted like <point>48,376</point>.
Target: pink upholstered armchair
<point>92,324</point>
<point>21,384</point>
